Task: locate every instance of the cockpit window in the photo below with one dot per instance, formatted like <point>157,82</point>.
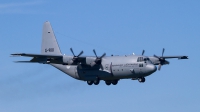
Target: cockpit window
<point>147,60</point>
<point>140,59</point>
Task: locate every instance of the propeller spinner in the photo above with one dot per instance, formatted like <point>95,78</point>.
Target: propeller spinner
<point>162,60</point>
<point>98,59</point>
<point>75,58</point>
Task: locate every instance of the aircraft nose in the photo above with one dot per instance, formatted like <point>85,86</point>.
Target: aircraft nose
<point>151,68</point>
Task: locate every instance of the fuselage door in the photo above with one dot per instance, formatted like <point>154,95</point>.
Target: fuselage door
<point>141,68</point>
<point>107,66</point>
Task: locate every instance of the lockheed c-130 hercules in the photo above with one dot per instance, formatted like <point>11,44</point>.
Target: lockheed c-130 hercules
<point>95,68</point>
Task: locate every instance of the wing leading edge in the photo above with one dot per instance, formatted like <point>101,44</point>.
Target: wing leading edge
<point>179,57</point>
<point>37,55</point>
<point>50,58</point>
<point>40,58</point>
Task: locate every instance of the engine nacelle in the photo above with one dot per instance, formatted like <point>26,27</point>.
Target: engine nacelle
<point>67,59</point>
<point>154,60</point>
<point>90,60</point>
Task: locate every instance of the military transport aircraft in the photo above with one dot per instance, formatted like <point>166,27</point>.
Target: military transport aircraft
<point>95,68</point>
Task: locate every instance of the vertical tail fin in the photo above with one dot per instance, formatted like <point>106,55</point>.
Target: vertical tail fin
<point>49,42</point>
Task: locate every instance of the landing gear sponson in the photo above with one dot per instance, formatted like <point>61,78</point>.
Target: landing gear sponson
<point>108,82</point>
<point>113,82</point>
<point>142,79</point>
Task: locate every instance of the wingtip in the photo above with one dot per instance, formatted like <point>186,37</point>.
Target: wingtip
<point>16,61</point>
<point>184,57</point>
<point>23,62</point>
<point>18,54</point>
<point>15,55</point>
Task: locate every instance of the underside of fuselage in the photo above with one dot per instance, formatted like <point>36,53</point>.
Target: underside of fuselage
<point>92,73</point>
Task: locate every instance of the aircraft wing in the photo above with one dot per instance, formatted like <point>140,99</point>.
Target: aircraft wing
<point>179,57</point>
<point>168,57</point>
<point>41,58</point>
<point>50,58</point>
<point>160,60</point>
<point>37,55</point>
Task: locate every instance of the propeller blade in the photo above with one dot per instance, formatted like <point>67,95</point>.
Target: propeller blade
<point>80,53</point>
<point>163,52</point>
<point>95,52</point>
<point>74,59</point>
<point>159,66</point>
<point>101,67</point>
<point>72,51</point>
<point>103,55</point>
<point>156,56</point>
<point>143,52</point>
<point>98,59</point>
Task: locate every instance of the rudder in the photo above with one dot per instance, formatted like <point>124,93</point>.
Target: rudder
<point>49,42</point>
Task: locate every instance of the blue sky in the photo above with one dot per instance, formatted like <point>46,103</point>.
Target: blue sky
<point>115,27</point>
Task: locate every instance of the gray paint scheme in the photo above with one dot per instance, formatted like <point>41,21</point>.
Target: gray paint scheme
<point>49,40</point>
<point>108,68</point>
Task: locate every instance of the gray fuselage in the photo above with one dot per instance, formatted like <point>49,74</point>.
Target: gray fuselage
<point>111,68</point>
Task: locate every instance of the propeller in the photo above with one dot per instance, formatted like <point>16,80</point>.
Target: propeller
<point>143,52</point>
<point>162,60</point>
<point>75,58</point>
<point>98,59</point>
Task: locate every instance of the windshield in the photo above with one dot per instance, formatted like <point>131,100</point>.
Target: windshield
<point>147,60</point>
<point>140,59</point>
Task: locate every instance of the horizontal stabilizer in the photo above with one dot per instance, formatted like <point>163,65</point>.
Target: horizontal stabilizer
<point>24,62</point>
<point>37,55</point>
<point>41,58</point>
